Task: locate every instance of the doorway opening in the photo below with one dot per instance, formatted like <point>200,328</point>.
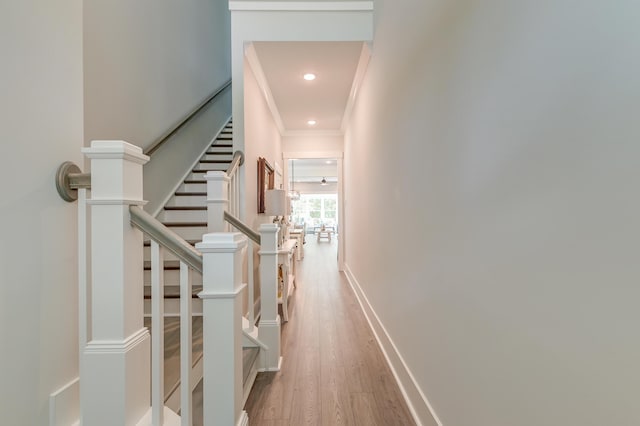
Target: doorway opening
<point>315,199</point>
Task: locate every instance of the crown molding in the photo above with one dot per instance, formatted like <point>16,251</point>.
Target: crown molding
<point>261,79</point>
<point>361,69</point>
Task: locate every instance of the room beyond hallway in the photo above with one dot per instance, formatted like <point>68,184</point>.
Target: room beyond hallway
<point>333,372</point>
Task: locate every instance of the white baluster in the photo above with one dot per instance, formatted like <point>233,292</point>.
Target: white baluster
<point>186,346</point>
<point>222,328</point>
<point>116,382</point>
<point>251,290</point>
<point>269,325</point>
<point>157,334</point>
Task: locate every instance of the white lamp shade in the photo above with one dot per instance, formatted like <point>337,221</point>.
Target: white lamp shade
<point>275,201</point>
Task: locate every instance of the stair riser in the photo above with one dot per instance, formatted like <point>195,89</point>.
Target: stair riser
<point>172,307</point>
<point>172,278</point>
<point>216,149</point>
<point>212,166</point>
<point>187,200</point>
<point>193,187</point>
<point>215,156</point>
<point>183,216</point>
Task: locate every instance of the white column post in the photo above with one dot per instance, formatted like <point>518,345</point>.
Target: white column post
<point>115,386</point>
<point>269,325</point>
<point>217,199</point>
<point>222,328</point>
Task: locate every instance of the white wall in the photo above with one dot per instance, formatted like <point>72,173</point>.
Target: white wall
<point>310,143</point>
<point>147,65</point>
<point>494,149</point>
<point>41,110</point>
<point>262,139</point>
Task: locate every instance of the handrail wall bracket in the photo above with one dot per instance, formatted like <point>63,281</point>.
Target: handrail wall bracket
<point>69,178</point>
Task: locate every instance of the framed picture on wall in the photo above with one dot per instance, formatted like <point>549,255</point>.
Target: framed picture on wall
<point>265,181</point>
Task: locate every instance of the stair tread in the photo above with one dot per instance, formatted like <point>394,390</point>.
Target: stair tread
<point>169,265</point>
<point>190,193</point>
<point>184,224</point>
<point>185,208</point>
<point>147,243</point>
<point>195,181</point>
<point>215,161</point>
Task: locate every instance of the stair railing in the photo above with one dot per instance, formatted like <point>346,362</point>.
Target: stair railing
<point>219,217</point>
<point>234,183</point>
<point>118,351</point>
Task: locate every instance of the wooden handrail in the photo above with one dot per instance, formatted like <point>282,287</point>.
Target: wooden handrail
<point>242,227</point>
<point>162,139</point>
<point>166,237</point>
<point>238,160</point>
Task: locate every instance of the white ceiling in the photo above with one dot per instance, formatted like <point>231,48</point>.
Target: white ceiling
<point>323,99</point>
<point>313,170</point>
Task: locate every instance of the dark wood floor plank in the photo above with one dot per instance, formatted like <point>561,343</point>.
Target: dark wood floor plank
<point>333,372</point>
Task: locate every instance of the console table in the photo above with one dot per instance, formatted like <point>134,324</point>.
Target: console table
<point>286,274</point>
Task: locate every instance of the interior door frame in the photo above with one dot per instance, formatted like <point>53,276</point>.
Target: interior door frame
<point>333,155</point>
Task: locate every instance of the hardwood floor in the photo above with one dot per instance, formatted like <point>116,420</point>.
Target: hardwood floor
<point>333,372</point>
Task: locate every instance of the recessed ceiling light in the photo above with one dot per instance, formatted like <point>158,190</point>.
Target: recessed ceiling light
<point>311,122</point>
<point>328,161</point>
<point>309,76</point>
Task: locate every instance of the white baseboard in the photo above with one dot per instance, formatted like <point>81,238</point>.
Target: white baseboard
<point>64,405</point>
<point>420,408</point>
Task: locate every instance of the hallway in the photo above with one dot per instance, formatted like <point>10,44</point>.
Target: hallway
<point>333,372</point>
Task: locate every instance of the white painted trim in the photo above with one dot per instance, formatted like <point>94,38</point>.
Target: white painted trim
<point>64,405</point>
<point>263,84</point>
<point>413,395</point>
<point>361,69</point>
<point>118,346</point>
<point>311,6</point>
<point>205,295</point>
<point>115,149</point>
<point>271,370</point>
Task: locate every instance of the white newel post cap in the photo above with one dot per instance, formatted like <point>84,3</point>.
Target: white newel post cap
<point>116,170</point>
<point>217,186</point>
<point>222,242</point>
<point>221,264</point>
<point>269,235</point>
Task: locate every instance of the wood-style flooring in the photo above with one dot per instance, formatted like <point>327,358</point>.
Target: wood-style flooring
<point>333,372</point>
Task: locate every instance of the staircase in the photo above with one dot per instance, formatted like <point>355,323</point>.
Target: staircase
<point>186,214</point>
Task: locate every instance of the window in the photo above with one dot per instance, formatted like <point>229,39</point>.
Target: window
<point>315,210</point>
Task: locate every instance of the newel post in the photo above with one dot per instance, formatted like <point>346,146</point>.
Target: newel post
<point>222,328</point>
<point>115,386</point>
<point>217,199</point>
<point>269,325</point>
